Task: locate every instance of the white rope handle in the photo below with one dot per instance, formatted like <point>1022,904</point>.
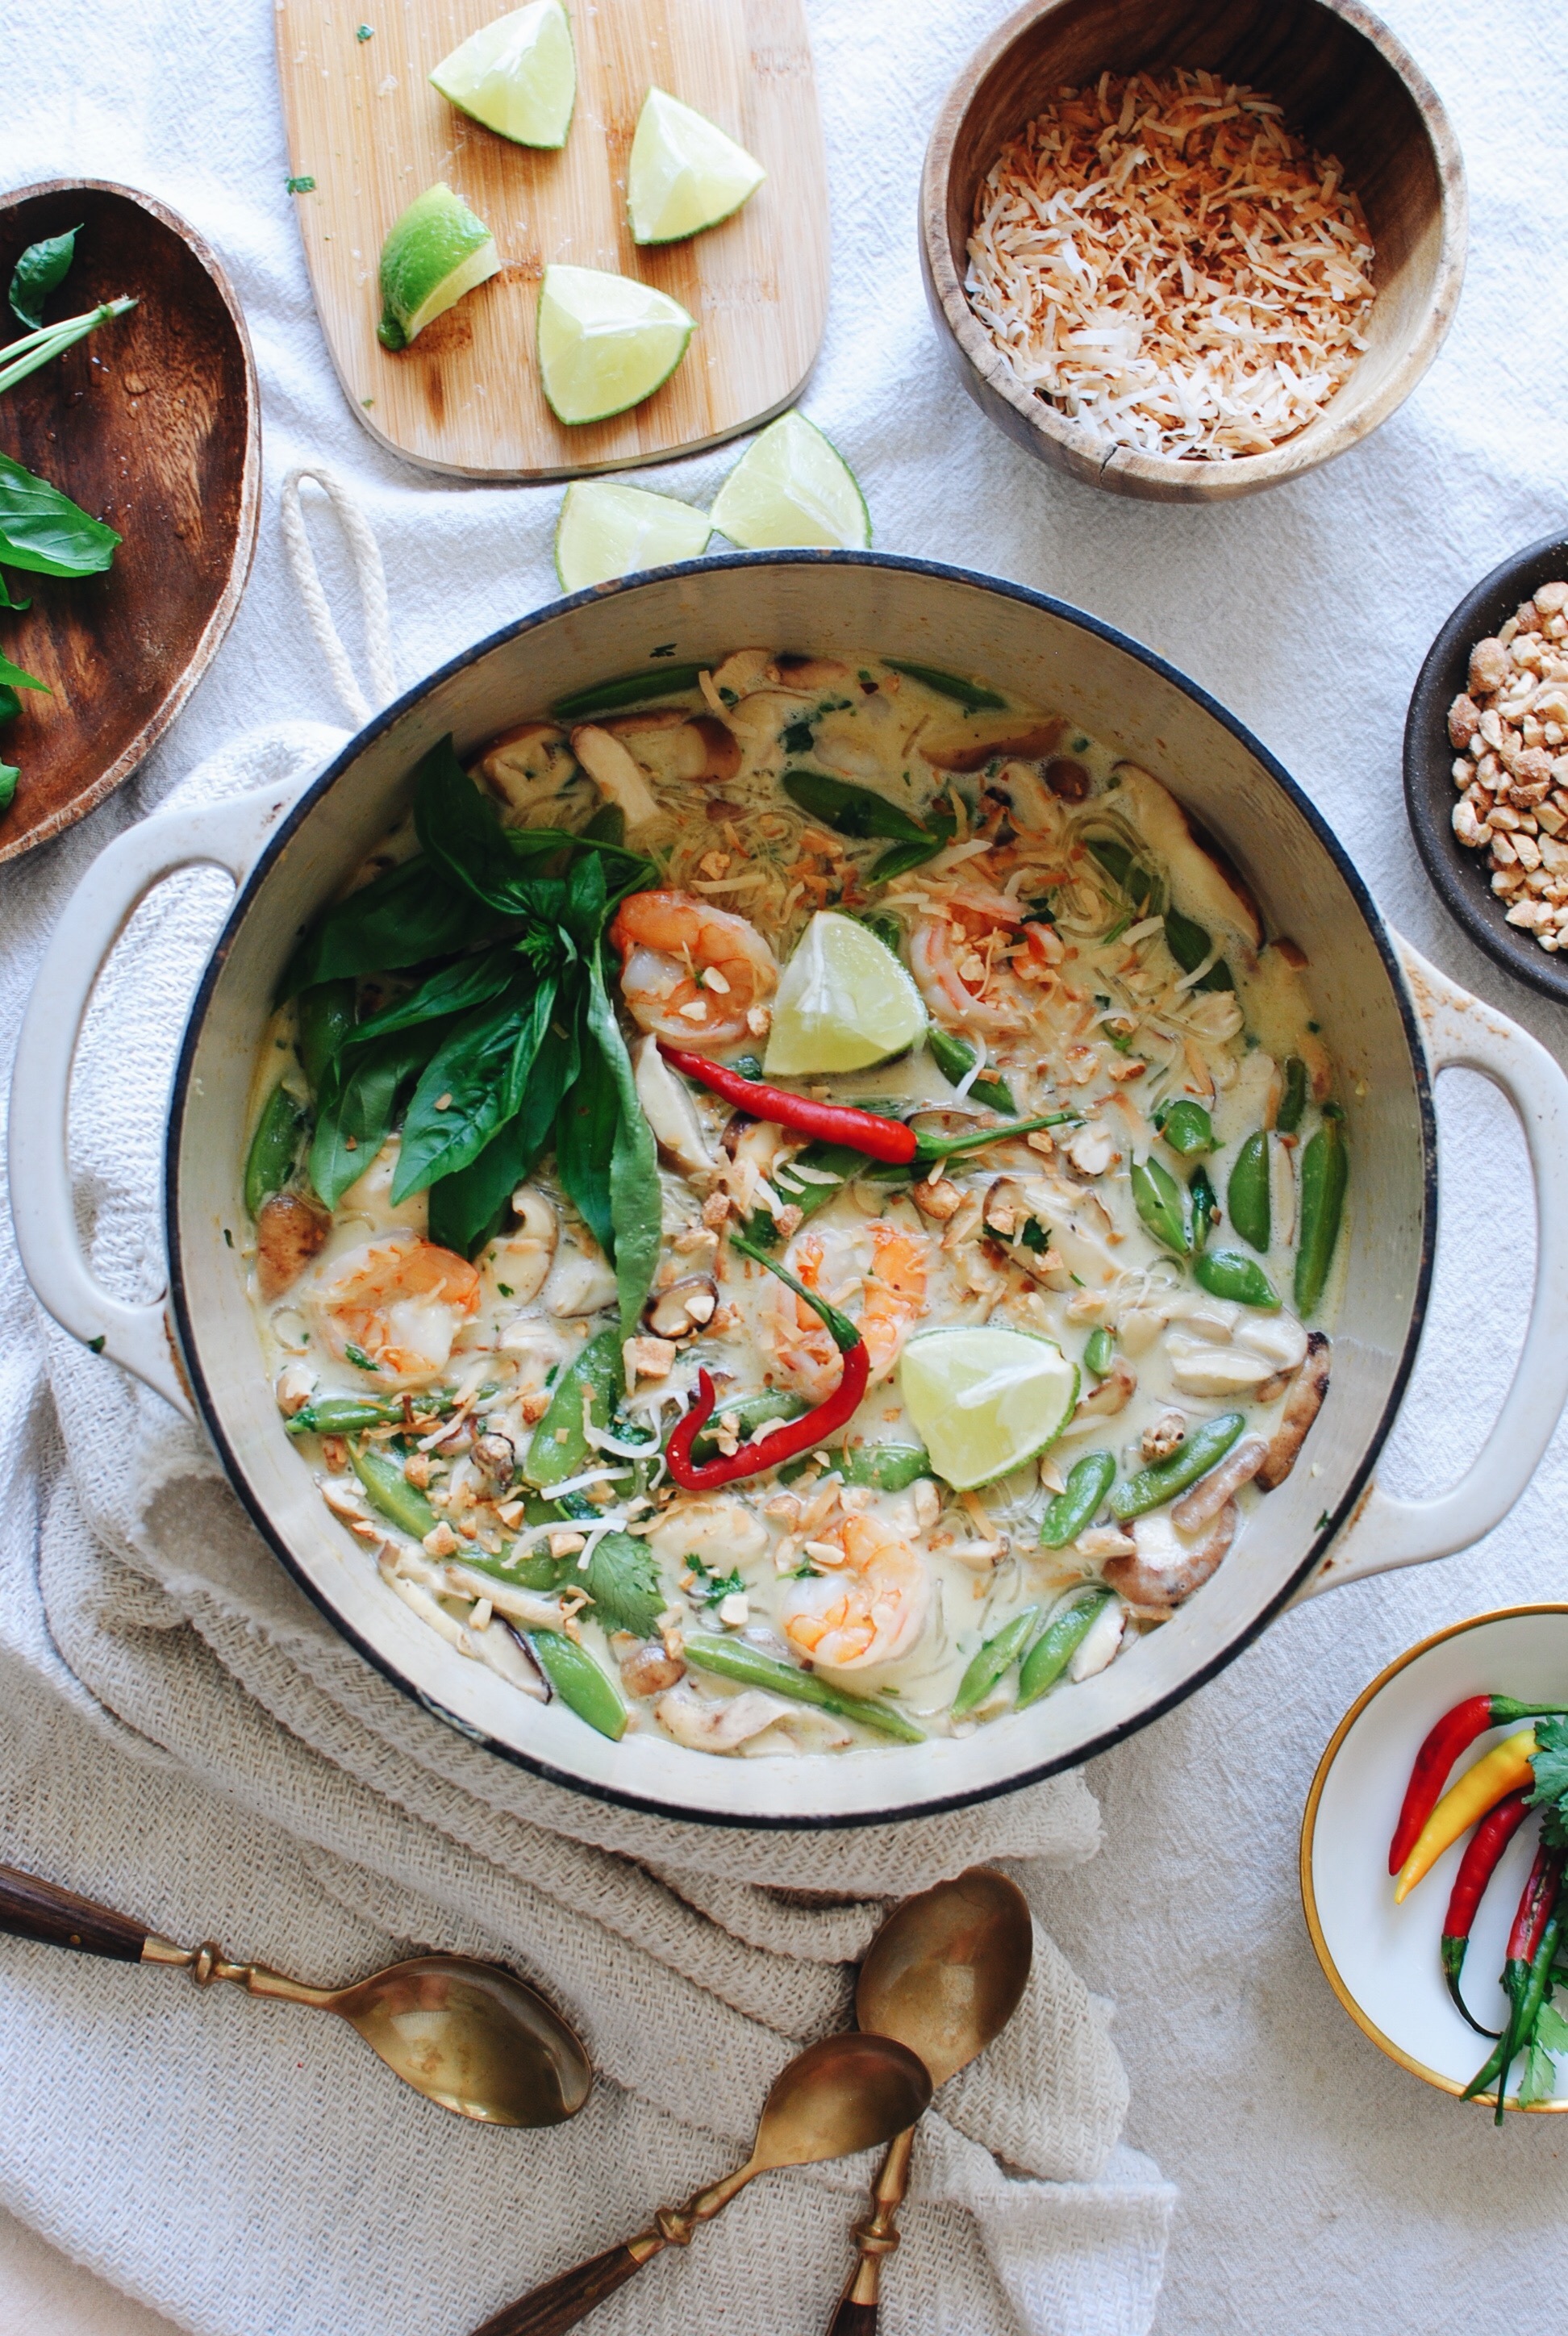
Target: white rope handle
<point>366,555</point>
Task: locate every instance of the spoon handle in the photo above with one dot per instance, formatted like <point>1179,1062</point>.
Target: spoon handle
<point>562,2302</point>
<point>877,2237</point>
<point>31,1909</point>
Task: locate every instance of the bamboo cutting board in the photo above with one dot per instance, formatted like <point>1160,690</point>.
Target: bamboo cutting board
<point>364,123</point>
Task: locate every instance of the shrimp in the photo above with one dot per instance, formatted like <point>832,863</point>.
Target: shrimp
<point>869,1607</point>
<point>689,971</point>
<point>400,1302</point>
<point>894,1300</point>
<point>953,955</point>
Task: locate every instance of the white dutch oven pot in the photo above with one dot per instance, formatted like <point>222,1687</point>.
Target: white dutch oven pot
<point>1391,1020</point>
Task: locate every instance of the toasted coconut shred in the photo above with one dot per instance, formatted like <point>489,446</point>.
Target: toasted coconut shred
<point>1162,260</point>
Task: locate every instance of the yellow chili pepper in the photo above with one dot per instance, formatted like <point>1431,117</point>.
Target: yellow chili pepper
<point>1496,1775</point>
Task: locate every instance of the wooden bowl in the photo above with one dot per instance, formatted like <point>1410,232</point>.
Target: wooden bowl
<point>153,424</point>
<point>1462,877</point>
<point>1346,86</point>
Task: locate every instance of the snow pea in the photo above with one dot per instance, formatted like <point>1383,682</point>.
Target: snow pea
<point>750,1413</point>
<point>991,1665</point>
<point>1226,1273</point>
<point>274,1149</point>
<point>1163,1479</point>
<point>326,1017</point>
<point>560,1448</point>
<point>1088,1481</point>
<point>1293,1101</point>
<point>344,1415</point>
<point>1325,1172</point>
<point>579,1681</point>
<point>1186,1127</point>
<point>954,1058</point>
<point>389,1490</point>
<point>885,1467</point>
<point>1057,1645</point>
<point>1205,1205</point>
<point>1162,1205</point>
<point>733,1659</point>
<point>972,696</point>
<point>1098,1354</point>
<point>1247,1195</point>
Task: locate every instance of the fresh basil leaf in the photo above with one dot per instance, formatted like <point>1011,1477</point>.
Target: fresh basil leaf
<point>636,1205</point>
<point>466,1210</point>
<point>472,1085</point>
<point>461,834</point>
<point>8,598</point>
<point>399,919</point>
<point>1188,944</point>
<point>41,267</point>
<point>10,703</point>
<point>458,988</point>
<point>850,810</point>
<point>585,1131</point>
<point>355,1113</point>
<point>972,696</point>
<point>9,774</point>
<point>12,678</point>
<point>627,689</point>
<point>623,1582</point>
<point>44,531</point>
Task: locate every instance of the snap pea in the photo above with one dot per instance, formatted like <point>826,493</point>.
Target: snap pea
<point>344,1415</point>
<point>559,1447</point>
<point>972,696</point>
<point>1293,1101</point>
<point>326,1017</point>
<point>1186,1127</point>
<point>1164,1479</point>
<point>1226,1273</point>
<point>1205,1205</point>
<point>1098,1354</point>
<point>644,688</point>
<point>1088,1481</point>
<point>991,1665</point>
<point>274,1149</point>
<point>390,1491</point>
<point>1162,1205</point>
<point>1057,1645</point>
<point>750,1413</point>
<point>954,1058</point>
<point>804,1194</point>
<point>1325,1172</point>
<point>579,1681</point>
<point>885,1467</point>
<point>1247,1193</point>
<point>733,1659</point>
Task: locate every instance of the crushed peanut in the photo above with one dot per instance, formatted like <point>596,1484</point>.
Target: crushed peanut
<point>1509,730</point>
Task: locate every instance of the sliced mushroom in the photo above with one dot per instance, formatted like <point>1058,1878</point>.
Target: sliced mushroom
<point>1278,1337</point>
<point>1113,1393</point>
<point>650,1670</point>
<point>986,736</point>
<point>704,1724</point>
<point>1163,1435</point>
<point>1210,1494</point>
<point>579,1285</point>
<point>1200,1369</point>
<point>516,1266</point>
<point>495,1457</point>
<point>715,757</point>
<point>1302,1405</point>
<point>1027,798</point>
<point>1166,1569</point>
<point>1066,778</point>
<point>645,723</point>
<point>810,672</point>
<point>288,1232</point>
<point>670,1112</point>
<point>1204,885</point>
<point>529,770</point>
<point>744,671</point>
<point>619,776</point>
<point>295,1383</point>
<point>507,1598</point>
<point>683,1308</point>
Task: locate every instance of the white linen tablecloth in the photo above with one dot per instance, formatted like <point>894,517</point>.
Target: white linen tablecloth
<point>1321,2188</point>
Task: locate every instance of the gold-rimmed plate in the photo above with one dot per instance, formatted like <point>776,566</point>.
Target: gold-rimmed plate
<point>1382,1960</point>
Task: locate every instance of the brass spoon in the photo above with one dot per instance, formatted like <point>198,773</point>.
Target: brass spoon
<point>944,1975</point>
<point>467,2035</point>
<point>847,2093</point>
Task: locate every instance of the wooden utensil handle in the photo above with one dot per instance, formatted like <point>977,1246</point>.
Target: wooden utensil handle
<point>562,2302</point>
<point>31,1909</point>
<point>853,2320</point>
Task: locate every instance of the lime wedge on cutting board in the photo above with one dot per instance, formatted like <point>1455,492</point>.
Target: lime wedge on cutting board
<point>605,342</point>
<point>793,486</point>
<point>517,76</point>
<point>606,530</point>
<point>438,250</point>
<point>844,1002</point>
<point>685,174</point>
<point>984,1401</point>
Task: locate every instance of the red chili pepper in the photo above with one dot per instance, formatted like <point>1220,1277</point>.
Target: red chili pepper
<point>837,1123</point>
<point>1531,1950</point>
<point>801,1435</point>
<point>1454,1731</point>
<point>1476,1867</point>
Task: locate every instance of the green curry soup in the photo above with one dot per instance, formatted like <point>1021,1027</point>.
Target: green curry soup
<point>494,1227</point>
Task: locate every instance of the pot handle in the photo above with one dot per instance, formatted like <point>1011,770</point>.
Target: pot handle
<point>224,835</point>
<point>1464,1032</point>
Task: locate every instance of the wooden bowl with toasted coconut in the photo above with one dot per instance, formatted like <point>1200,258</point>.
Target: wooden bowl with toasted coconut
<point>1347,90</point>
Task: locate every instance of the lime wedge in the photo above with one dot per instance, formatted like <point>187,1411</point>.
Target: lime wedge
<point>844,1002</point>
<point>793,486</point>
<point>685,174</point>
<point>434,253</point>
<point>606,530</point>
<point>517,76</point>
<point>605,342</point>
<point>984,1401</point>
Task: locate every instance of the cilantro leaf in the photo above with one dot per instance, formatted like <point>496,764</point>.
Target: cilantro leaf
<point>1549,1762</point>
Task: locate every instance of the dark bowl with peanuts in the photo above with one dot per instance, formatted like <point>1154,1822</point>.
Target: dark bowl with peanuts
<point>1487,765</point>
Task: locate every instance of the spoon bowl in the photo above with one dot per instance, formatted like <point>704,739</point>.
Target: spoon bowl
<point>472,2038</point>
<point>946,1973</point>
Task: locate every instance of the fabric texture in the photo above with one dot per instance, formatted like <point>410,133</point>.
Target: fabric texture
<point>182,1734</point>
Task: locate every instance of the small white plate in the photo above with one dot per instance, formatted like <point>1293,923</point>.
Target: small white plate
<point>1382,1961</point>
